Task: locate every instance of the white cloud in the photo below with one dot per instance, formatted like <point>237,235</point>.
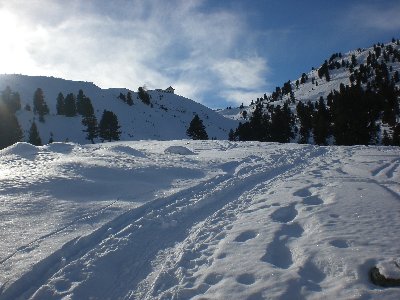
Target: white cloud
<point>381,16</point>
<point>238,96</point>
<point>245,73</point>
<point>130,43</point>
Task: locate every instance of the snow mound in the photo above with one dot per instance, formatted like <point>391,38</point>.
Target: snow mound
<point>179,150</point>
<point>129,151</point>
<point>21,149</point>
<point>61,147</point>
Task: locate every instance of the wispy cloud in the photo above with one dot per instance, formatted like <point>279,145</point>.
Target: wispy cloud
<point>242,73</point>
<point>129,43</point>
<point>379,16</point>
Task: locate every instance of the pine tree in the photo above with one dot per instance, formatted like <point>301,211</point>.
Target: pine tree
<point>92,129</point>
<point>51,139</point>
<point>386,139</point>
<point>70,105</point>
<point>196,129</point>
<point>143,95</point>
<point>10,130</point>
<point>129,100</point>
<point>34,137</point>
<point>60,106</point>
<point>109,127</point>
<point>258,125</point>
<point>321,123</point>
<point>304,113</point>
<point>80,98</point>
<point>39,104</point>
<point>231,135</point>
<point>122,97</point>
<point>281,124</point>
<point>396,135</point>
<point>11,99</point>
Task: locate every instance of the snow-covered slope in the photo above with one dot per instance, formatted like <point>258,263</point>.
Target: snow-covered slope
<point>197,219</point>
<point>167,118</point>
<point>315,87</point>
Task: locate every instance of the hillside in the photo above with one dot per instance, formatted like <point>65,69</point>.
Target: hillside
<point>198,220</point>
<point>375,70</point>
<point>167,117</point>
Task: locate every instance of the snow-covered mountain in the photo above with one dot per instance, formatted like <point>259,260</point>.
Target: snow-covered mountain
<point>167,117</point>
<point>198,220</point>
<point>367,67</point>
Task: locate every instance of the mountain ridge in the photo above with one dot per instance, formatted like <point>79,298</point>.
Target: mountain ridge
<point>166,117</point>
<point>374,70</point>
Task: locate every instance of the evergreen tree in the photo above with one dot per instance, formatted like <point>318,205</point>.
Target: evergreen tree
<point>396,135</point>
<point>231,135</point>
<point>129,100</point>
<point>386,139</point>
<point>70,105</point>
<point>324,71</point>
<point>34,137</point>
<point>86,107</point>
<point>11,99</point>
<point>196,129</point>
<point>122,97</point>
<point>39,104</point>
<point>354,115</point>
<point>321,123</point>
<point>259,125</point>
<point>109,127</point>
<point>51,139</point>
<point>282,121</point>
<point>243,132</point>
<point>304,113</point>
<point>92,129</point>
<point>143,95</point>
<point>80,99</point>
<point>60,106</point>
<point>10,130</point>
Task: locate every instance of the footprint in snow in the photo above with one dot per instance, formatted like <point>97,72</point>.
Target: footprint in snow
<point>302,193</point>
<point>245,236</point>
<point>312,200</point>
<point>62,285</point>
<point>221,256</point>
<point>246,279</point>
<point>308,197</point>
<point>213,278</point>
<point>339,243</point>
<point>284,214</point>
<point>278,253</point>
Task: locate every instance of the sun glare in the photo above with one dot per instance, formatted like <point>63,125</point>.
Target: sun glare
<point>14,57</point>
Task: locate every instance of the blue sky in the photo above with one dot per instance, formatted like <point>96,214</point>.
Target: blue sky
<point>219,53</point>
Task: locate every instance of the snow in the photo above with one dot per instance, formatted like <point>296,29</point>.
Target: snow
<point>133,220</point>
<point>167,118</point>
<point>312,92</point>
<point>178,150</point>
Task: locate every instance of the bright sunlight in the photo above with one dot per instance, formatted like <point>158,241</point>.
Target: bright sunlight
<point>14,52</point>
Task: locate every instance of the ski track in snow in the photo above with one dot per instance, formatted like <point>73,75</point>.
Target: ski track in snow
<point>258,226</point>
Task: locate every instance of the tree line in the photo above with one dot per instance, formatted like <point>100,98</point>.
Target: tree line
<point>70,106</point>
<point>364,112</point>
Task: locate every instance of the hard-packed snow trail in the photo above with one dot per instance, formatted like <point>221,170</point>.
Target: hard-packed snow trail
<point>116,260</point>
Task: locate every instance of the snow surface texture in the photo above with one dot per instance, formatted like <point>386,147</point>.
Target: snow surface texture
<point>129,220</point>
<point>168,116</point>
